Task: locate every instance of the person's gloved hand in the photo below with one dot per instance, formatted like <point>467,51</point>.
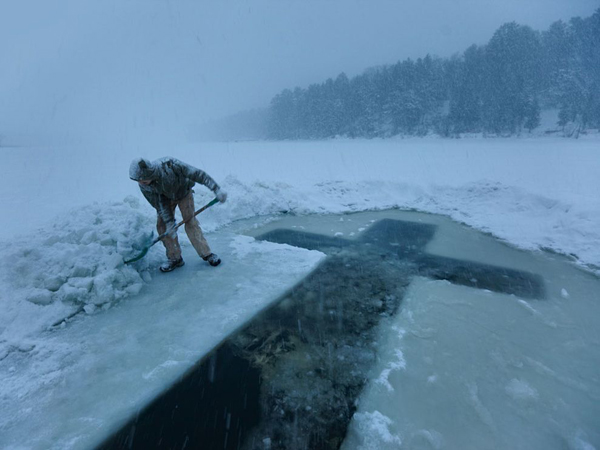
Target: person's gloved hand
<point>221,195</point>
<point>171,230</point>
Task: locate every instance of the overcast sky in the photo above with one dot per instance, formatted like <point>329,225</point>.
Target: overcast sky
<point>123,69</point>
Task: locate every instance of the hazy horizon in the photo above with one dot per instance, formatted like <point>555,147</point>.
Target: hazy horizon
<point>131,71</point>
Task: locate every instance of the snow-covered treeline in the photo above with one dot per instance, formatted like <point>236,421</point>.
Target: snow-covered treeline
<point>499,88</point>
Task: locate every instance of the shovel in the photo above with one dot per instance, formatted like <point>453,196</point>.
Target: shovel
<point>141,255</point>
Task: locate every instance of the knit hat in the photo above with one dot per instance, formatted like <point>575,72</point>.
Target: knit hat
<point>142,169</point>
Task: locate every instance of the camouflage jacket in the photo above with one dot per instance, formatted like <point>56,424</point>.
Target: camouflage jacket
<point>172,180</point>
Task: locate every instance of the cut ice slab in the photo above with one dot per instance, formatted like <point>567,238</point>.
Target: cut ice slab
<point>73,389</point>
<point>466,368</point>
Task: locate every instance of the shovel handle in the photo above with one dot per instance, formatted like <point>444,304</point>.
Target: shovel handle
<point>166,233</point>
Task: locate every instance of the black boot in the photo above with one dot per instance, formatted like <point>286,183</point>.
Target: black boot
<point>171,265</point>
<point>212,259</point>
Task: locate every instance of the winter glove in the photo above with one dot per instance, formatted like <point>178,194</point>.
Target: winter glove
<point>221,195</point>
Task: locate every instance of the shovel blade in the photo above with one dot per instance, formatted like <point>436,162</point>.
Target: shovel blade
<point>150,241</point>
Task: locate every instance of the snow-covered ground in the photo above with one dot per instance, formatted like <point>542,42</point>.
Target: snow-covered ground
<point>538,192</point>
<point>70,215</point>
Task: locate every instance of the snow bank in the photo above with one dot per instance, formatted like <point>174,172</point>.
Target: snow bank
<point>81,260</point>
<point>74,266</point>
<point>526,220</point>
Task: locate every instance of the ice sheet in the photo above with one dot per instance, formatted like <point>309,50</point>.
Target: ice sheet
<point>468,368</point>
<point>77,383</point>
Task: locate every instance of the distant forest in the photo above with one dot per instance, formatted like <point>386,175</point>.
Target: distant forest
<point>499,88</point>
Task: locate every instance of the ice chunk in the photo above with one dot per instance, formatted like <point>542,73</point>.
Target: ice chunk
<point>397,364</point>
<point>39,296</point>
<point>373,431</point>
<point>54,282</point>
<point>81,282</point>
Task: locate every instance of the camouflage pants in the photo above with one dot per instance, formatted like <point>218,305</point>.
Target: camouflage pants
<point>192,229</point>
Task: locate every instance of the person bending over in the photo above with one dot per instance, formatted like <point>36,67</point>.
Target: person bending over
<point>167,183</point>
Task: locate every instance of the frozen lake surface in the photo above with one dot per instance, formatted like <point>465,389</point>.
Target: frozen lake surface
<point>379,330</point>
<point>415,332</point>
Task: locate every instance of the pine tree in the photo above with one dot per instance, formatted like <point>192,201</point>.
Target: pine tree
<point>466,92</point>
<point>500,88</point>
<point>512,77</point>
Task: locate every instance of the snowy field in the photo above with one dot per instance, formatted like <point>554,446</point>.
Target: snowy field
<point>538,192</point>
<point>70,216</point>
